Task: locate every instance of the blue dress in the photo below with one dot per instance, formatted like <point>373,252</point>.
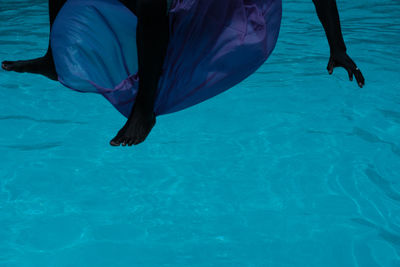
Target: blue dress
<point>213,46</point>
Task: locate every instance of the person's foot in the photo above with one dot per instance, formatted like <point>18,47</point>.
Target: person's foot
<point>43,65</point>
<point>136,129</point>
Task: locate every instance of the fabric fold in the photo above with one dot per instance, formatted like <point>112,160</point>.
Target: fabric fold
<point>213,46</point>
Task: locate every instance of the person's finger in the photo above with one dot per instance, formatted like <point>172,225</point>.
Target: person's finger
<point>359,77</point>
<point>4,65</point>
<point>352,63</point>
<point>350,72</point>
<point>330,66</point>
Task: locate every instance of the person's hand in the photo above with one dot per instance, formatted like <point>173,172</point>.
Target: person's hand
<point>343,60</point>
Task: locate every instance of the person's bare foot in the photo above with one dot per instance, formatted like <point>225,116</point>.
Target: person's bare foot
<point>136,129</point>
<point>43,65</point>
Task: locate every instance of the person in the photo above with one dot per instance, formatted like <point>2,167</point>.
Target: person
<point>152,41</point>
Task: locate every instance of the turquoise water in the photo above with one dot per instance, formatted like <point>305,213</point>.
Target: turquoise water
<point>292,167</point>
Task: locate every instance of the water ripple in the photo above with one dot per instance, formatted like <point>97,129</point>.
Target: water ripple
<point>30,147</point>
<point>384,185</point>
<point>371,138</point>
<point>391,115</point>
<point>21,117</point>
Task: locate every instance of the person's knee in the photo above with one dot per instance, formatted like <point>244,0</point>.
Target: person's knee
<point>151,8</point>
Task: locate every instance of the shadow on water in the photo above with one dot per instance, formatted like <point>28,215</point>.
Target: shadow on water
<point>33,147</point>
<point>390,237</point>
<point>391,115</point>
<point>371,138</point>
<point>18,117</point>
<point>383,184</point>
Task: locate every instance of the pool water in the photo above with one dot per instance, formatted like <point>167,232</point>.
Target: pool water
<point>292,167</point>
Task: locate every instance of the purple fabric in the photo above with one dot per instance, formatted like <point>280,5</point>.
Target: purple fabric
<point>214,45</point>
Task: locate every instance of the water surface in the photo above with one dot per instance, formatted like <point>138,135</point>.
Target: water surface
<point>292,167</point>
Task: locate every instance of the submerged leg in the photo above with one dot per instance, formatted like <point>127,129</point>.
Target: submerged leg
<point>43,65</point>
<point>152,40</point>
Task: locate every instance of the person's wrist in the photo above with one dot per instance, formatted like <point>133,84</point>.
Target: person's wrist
<point>337,50</point>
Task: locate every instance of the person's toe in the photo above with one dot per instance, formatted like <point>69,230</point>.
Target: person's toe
<point>124,142</point>
<point>114,142</point>
<point>136,141</point>
<point>140,139</point>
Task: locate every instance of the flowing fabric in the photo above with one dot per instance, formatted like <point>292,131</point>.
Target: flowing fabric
<point>214,45</point>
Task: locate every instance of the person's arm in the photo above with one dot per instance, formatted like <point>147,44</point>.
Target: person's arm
<point>329,16</point>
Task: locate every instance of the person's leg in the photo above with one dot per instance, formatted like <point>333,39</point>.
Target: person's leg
<point>43,65</point>
<point>152,41</point>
